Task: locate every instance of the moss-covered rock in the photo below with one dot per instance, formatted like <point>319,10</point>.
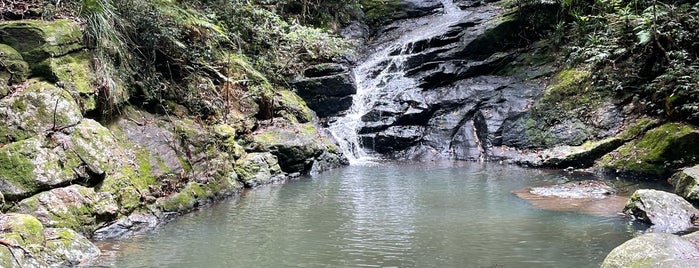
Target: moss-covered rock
<point>76,207</point>
<point>74,73</point>
<point>13,69</point>
<point>657,153</point>
<point>28,244</point>
<point>292,107</point>
<point>296,146</point>
<point>38,109</point>
<point>38,40</point>
<point>654,250</point>
<point>257,169</point>
<point>67,248</point>
<point>686,183</point>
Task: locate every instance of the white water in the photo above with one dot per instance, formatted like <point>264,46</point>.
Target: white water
<point>383,70</point>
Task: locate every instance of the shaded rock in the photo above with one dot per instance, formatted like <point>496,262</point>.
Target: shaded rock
<point>582,156</point>
<point>657,153</point>
<point>355,30</point>
<point>29,244</point>
<point>38,40</point>
<point>327,88</point>
<point>292,107</point>
<point>258,168</point>
<point>37,109</point>
<point>76,207</point>
<point>667,212</point>
<point>123,227</point>
<point>686,183</point>
<point>328,160</point>
<point>655,250</point>
<point>296,146</point>
<point>13,69</point>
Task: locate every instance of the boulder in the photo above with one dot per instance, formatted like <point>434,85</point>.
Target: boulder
<point>296,146</point>
<point>76,207</point>
<point>582,156</point>
<point>327,88</point>
<point>37,109</point>
<point>37,40</point>
<point>258,168</point>
<point>657,154</point>
<point>655,250</point>
<point>28,244</point>
<point>667,212</point>
<point>686,183</point>
<point>13,69</point>
<point>74,73</point>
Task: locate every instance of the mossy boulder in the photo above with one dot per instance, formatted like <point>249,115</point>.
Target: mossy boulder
<point>655,250</point>
<point>657,154</point>
<point>67,248</point>
<point>74,73</point>
<point>296,146</point>
<point>84,153</point>
<point>258,168</point>
<point>292,107</point>
<point>13,69</point>
<point>37,109</point>
<point>686,183</point>
<point>666,212</point>
<point>28,244</point>
<point>76,207</point>
<point>38,40</point>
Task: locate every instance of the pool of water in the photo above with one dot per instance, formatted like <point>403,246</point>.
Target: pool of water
<point>383,215</point>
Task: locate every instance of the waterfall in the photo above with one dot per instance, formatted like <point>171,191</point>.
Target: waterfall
<point>384,70</point>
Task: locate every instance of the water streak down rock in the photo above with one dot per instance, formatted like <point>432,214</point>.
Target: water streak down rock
<point>429,90</point>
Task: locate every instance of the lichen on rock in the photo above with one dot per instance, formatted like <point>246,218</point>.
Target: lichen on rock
<point>38,40</point>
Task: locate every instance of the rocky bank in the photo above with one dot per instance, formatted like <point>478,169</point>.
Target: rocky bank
<point>66,177</point>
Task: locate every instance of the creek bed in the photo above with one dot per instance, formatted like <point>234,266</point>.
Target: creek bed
<point>445,214</point>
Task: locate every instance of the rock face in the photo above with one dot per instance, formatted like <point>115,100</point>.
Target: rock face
<point>38,40</point>
<point>26,243</point>
<point>327,88</point>
<point>655,250</point>
<point>259,168</point>
<point>666,212</point>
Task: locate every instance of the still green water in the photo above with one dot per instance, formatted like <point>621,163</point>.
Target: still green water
<point>386,215</point>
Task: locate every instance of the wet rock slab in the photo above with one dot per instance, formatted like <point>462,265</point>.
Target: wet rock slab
<point>588,196</point>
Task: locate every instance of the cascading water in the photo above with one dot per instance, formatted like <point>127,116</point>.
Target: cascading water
<point>384,69</point>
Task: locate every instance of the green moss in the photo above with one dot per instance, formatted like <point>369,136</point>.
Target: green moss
<point>657,153</point>
<point>378,12</point>
<point>293,108</point>
<point>75,72</point>
<point>181,201</point>
<point>639,127</point>
<point>38,40</point>
<point>16,167</point>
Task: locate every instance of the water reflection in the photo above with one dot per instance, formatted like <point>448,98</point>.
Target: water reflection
<point>389,215</point>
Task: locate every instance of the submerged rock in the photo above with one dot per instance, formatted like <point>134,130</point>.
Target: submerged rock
<point>655,250</point>
<point>588,196</point>
<point>667,212</point>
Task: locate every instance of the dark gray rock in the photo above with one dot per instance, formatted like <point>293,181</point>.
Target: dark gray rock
<point>326,88</point>
<point>667,212</point>
<point>126,226</point>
